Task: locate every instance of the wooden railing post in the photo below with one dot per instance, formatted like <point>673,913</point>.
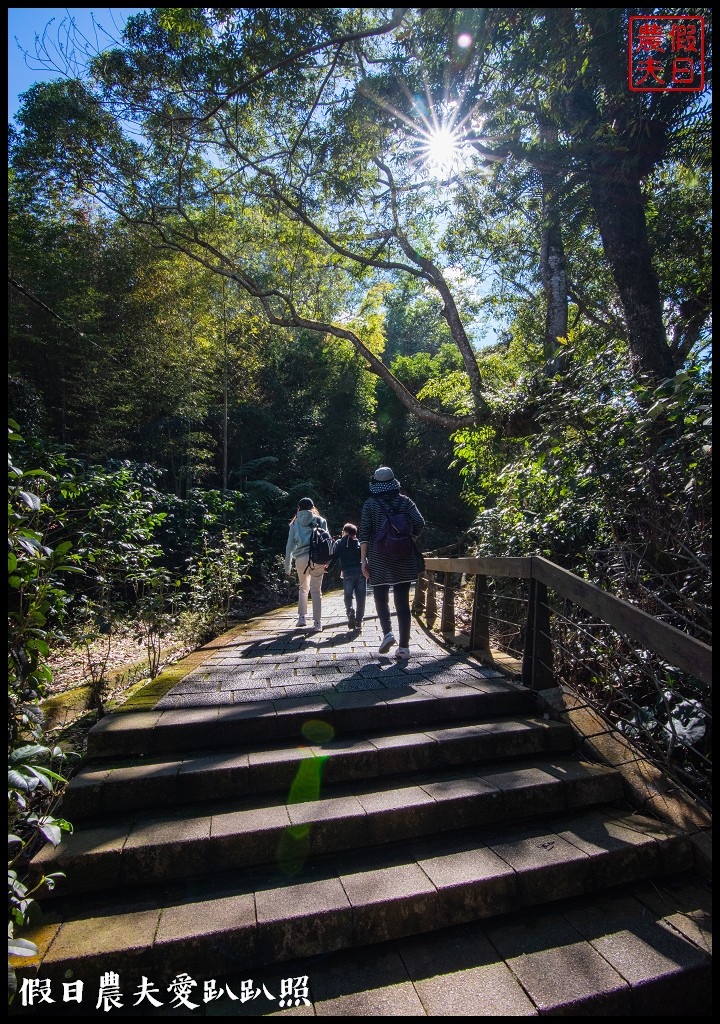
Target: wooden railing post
<point>420,594</point>
<point>447,621</point>
<point>479,625</point>
<point>431,603</point>
<point>537,671</point>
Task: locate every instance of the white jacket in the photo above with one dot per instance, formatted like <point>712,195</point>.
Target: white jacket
<point>298,542</point>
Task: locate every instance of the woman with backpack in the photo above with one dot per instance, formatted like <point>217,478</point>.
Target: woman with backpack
<point>306,527</point>
<point>389,524</point>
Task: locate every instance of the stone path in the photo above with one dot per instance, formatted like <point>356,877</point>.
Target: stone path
<point>270,658</point>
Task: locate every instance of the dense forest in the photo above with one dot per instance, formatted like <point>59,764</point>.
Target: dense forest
<point>254,253</point>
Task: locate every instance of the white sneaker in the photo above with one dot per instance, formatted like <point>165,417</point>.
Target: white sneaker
<point>387,642</point>
<point>301,622</point>
<point>402,653</point>
<point>317,628</point>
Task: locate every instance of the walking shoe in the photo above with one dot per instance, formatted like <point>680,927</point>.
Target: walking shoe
<point>317,628</point>
<point>402,653</point>
<point>358,626</point>
<point>351,619</point>
<point>387,643</point>
<point>300,622</point>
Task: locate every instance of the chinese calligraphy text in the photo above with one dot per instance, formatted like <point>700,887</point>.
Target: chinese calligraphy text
<point>666,53</point>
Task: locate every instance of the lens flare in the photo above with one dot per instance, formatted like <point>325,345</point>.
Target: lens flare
<point>442,150</point>
<point>435,142</point>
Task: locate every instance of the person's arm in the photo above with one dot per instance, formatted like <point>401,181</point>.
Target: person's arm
<point>366,533</point>
<point>416,518</point>
<point>289,550</point>
<point>363,559</point>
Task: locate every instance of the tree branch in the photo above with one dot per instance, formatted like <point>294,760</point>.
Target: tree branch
<point>611,325</point>
<point>694,312</point>
<point>450,312</point>
<point>315,103</point>
<point>396,20</point>
<point>220,264</point>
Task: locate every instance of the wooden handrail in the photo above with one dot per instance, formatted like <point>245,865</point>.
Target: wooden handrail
<point>687,653</point>
<point>519,568</point>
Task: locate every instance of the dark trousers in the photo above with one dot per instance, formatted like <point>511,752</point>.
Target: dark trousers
<point>401,597</point>
<point>355,586</point>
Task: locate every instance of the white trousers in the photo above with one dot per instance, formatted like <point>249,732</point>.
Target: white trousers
<point>311,582</point>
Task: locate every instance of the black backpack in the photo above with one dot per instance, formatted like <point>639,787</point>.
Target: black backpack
<point>394,539</point>
<point>320,550</point>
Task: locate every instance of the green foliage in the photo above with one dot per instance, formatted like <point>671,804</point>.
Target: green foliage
<point>414,322</point>
<point>156,608</point>
<point>118,516</point>
<point>680,226</point>
<point>134,542</point>
<point>616,485</point>
<point>33,786</point>
<point>419,453</point>
<point>214,578</point>
<point>37,595</point>
<point>37,603</point>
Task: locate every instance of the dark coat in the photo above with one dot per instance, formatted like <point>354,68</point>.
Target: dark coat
<point>384,571</point>
<point>346,550</point>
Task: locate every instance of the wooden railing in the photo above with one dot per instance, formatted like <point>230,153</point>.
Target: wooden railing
<point>677,648</point>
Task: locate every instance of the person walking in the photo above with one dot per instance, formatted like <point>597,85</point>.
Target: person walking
<point>298,548</point>
<point>347,552</point>
<point>386,568</point>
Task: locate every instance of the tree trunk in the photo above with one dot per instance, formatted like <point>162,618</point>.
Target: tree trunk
<point>618,205</point>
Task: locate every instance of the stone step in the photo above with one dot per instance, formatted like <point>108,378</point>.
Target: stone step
<point>645,949</point>
<point>153,733</point>
<point>405,848</point>
<point>160,847</point>
<point>248,919</point>
<point>141,783</point>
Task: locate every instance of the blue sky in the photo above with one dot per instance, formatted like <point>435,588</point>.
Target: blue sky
<point>27,22</point>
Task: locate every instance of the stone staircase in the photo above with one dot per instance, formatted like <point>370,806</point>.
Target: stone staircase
<point>425,851</point>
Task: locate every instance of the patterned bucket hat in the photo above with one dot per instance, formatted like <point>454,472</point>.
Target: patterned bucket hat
<point>384,481</point>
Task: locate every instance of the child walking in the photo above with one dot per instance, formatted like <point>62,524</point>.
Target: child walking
<point>347,552</point>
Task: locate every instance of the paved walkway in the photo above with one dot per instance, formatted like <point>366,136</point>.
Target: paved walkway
<point>448,873</point>
<point>268,658</point>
